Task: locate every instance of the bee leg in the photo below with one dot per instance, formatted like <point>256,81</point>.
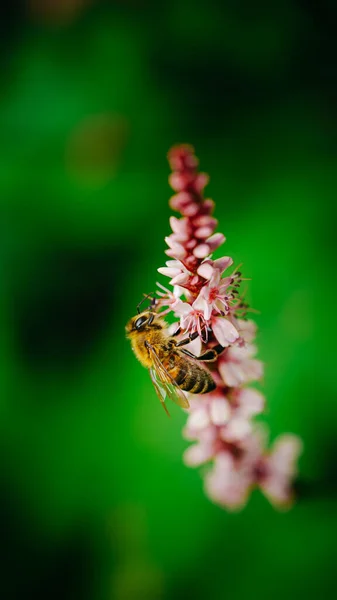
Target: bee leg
<point>176,332</point>
<point>190,338</point>
<point>212,353</point>
<point>219,349</point>
<point>208,356</point>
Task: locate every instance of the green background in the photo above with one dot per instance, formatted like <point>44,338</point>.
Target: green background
<point>95,500</point>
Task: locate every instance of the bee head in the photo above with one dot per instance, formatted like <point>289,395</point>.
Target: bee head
<point>141,322</point>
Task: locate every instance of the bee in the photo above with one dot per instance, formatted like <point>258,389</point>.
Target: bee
<point>172,367</point>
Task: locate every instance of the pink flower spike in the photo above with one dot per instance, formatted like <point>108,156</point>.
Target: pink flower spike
<point>207,306</point>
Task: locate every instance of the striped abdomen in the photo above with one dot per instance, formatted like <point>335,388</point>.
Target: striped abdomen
<point>189,376</point>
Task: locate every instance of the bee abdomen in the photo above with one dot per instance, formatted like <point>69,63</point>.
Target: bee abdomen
<point>190,377</point>
<point>195,380</point>
<point>200,383</point>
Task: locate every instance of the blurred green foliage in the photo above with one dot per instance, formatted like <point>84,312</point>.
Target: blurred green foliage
<point>96,501</point>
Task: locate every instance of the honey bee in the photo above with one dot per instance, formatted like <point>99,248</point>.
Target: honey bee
<point>172,368</point>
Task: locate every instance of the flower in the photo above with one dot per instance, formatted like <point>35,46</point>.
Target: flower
<point>276,470</point>
<point>215,296</point>
<point>207,304</point>
<point>227,485</point>
<point>232,414</point>
<point>237,366</point>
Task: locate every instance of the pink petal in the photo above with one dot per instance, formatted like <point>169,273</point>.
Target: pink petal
<point>203,232</point>
<point>178,181</point>
<point>220,411</point>
<point>251,402</point>
<point>205,270</point>
<point>178,291</point>
<point>181,308</point>
<point>236,429</point>
<point>198,419</point>
<point>169,272</point>
<point>281,468</point>
<point>286,450</point>
<point>180,279</point>
<point>223,263</point>
<point>208,205</point>
<point>180,200</point>
<point>209,435</point>
<point>253,370</point>
<point>278,491</point>
<point>214,282</point>
<point>190,209</point>
<point>191,244</point>
<point>224,283</point>
<point>177,238</point>
<point>205,220</point>
<point>240,353</point>
<point>229,488</point>
<point>201,304</point>
<point>197,454</point>
<point>181,156</point>
<point>176,264</point>
<point>176,252</point>
<point>201,251</point>
<point>215,241</point>
<point>201,181</point>
<point>224,331</point>
<point>179,226</point>
<point>253,446</point>
<point>171,242</point>
<point>231,373</point>
<point>247,330</point>
<point>194,347</point>
<point>224,463</point>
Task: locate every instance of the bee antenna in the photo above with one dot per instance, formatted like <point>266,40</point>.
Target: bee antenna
<point>141,302</point>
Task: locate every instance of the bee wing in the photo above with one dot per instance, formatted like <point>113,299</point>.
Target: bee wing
<point>164,384</point>
<point>160,389</point>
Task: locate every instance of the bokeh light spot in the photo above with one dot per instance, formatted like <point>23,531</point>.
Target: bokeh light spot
<point>95,147</point>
